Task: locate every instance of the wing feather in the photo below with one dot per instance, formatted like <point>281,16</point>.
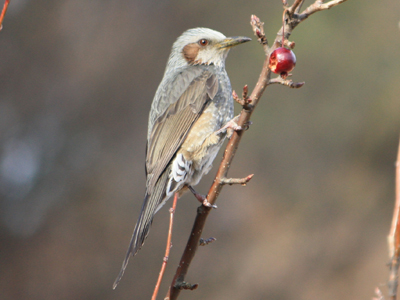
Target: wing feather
<point>172,126</point>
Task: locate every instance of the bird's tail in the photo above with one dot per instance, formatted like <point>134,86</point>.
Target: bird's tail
<point>149,208</point>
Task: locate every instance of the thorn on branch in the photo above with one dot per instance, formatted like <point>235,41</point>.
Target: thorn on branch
<point>242,181</point>
<point>186,286</point>
<point>287,82</point>
<point>204,242</point>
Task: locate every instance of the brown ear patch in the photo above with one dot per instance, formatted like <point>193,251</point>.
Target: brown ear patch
<point>190,52</point>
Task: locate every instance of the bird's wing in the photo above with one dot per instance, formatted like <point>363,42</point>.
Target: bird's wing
<point>171,127</point>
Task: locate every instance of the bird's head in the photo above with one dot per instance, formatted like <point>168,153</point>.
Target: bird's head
<point>203,46</point>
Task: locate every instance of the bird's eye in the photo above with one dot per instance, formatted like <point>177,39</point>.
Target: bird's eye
<point>203,42</point>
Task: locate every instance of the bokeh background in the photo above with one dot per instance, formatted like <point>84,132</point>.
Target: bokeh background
<point>76,82</point>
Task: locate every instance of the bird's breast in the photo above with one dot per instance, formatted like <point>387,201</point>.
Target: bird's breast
<point>202,142</point>
<point>209,122</point>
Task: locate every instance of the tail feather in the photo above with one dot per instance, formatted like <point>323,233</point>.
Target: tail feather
<point>141,231</point>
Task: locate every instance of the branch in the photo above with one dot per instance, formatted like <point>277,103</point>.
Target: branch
<point>242,181</point>
<point>258,29</point>
<point>3,13</point>
<point>295,8</point>
<point>287,82</point>
<point>220,179</point>
<point>394,237</point>
<point>318,6</point>
<point>294,18</point>
<point>168,248</point>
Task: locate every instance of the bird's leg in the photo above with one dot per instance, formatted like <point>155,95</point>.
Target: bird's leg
<point>198,196</point>
<point>201,198</point>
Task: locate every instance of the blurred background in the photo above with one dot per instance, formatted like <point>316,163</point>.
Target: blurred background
<point>76,82</point>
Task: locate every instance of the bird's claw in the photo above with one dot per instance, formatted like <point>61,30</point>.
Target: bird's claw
<point>246,125</point>
<point>201,198</point>
<point>232,124</point>
<point>208,204</point>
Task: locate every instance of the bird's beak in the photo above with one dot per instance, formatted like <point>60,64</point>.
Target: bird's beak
<point>232,41</point>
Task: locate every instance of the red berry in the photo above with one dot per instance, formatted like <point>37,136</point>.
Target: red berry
<point>282,61</point>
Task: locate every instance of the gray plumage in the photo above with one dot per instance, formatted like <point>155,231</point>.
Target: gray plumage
<point>192,102</point>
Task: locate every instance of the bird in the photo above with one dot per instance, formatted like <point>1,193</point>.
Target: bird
<point>190,116</point>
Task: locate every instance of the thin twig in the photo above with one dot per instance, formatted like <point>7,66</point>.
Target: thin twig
<point>298,8</point>
<point>394,237</point>
<point>287,82</point>
<point>3,13</point>
<point>242,181</point>
<point>318,6</point>
<point>245,101</point>
<point>167,249</point>
<point>295,18</point>
<point>397,238</point>
<point>295,6</point>
<point>258,28</point>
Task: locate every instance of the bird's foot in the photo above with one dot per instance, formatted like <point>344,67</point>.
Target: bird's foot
<point>232,125</point>
<point>208,204</point>
<point>198,196</point>
<point>201,198</point>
